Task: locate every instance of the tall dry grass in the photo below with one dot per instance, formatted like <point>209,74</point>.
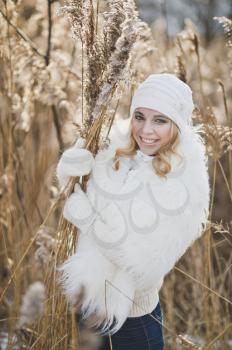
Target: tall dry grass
<point>65,70</point>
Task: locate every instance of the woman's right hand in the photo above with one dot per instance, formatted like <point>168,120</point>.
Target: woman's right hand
<point>75,161</point>
<point>79,210</point>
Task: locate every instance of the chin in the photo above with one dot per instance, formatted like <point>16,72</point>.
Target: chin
<point>148,152</point>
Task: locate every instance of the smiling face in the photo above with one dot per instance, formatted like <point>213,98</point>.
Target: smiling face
<point>151,129</point>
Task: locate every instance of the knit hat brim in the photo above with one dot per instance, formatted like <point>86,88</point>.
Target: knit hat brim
<point>168,95</point>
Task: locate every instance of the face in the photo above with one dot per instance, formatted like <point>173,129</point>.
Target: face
<point>151,129</point>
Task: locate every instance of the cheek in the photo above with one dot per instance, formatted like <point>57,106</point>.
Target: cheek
<point>134,127</point>
<point>165,132</point>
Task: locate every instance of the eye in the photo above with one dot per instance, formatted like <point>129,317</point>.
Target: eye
<point>160,120</point>
<point>138,117</point>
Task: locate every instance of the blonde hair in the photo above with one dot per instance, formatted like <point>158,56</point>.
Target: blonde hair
<point>160,162</point>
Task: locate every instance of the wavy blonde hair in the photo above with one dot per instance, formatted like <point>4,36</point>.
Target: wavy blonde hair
<point>160,162</point>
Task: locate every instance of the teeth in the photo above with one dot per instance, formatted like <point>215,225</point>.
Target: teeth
<point>148,140</point>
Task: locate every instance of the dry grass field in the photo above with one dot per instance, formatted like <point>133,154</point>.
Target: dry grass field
<point>67,69</point>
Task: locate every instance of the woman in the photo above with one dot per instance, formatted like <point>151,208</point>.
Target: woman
<point>146,202</point>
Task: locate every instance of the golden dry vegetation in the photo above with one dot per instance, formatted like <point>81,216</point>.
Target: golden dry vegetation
<point>67,69</point>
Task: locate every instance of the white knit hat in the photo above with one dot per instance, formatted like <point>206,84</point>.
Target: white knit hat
<point>167,94</point>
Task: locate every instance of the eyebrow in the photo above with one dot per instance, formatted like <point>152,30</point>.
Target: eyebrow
<point>157,115</point>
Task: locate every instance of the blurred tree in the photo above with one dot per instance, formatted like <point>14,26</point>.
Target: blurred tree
<point>174,12</point>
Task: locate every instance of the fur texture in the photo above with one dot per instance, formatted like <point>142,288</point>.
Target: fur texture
<point>145,224</point>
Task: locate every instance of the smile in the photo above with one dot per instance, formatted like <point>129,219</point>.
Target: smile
<point>148,141</point>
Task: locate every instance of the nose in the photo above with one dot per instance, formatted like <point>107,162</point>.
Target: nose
<point>148,128</point>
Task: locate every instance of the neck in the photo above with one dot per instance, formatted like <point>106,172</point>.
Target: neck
<point>143,155</point>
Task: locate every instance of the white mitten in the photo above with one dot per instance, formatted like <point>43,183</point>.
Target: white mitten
<point>75,161</point>
<point>78,209</point>
<point>106,229</point>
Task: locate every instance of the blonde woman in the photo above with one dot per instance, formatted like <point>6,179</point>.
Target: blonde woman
<point>146,202</point>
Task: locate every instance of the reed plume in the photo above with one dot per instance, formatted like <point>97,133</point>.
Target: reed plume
<point>32,304</point>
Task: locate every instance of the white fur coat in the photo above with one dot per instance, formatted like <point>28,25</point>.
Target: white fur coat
<point>144,224</point>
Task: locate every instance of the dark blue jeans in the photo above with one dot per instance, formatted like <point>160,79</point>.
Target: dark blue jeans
<point>138,333</point>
